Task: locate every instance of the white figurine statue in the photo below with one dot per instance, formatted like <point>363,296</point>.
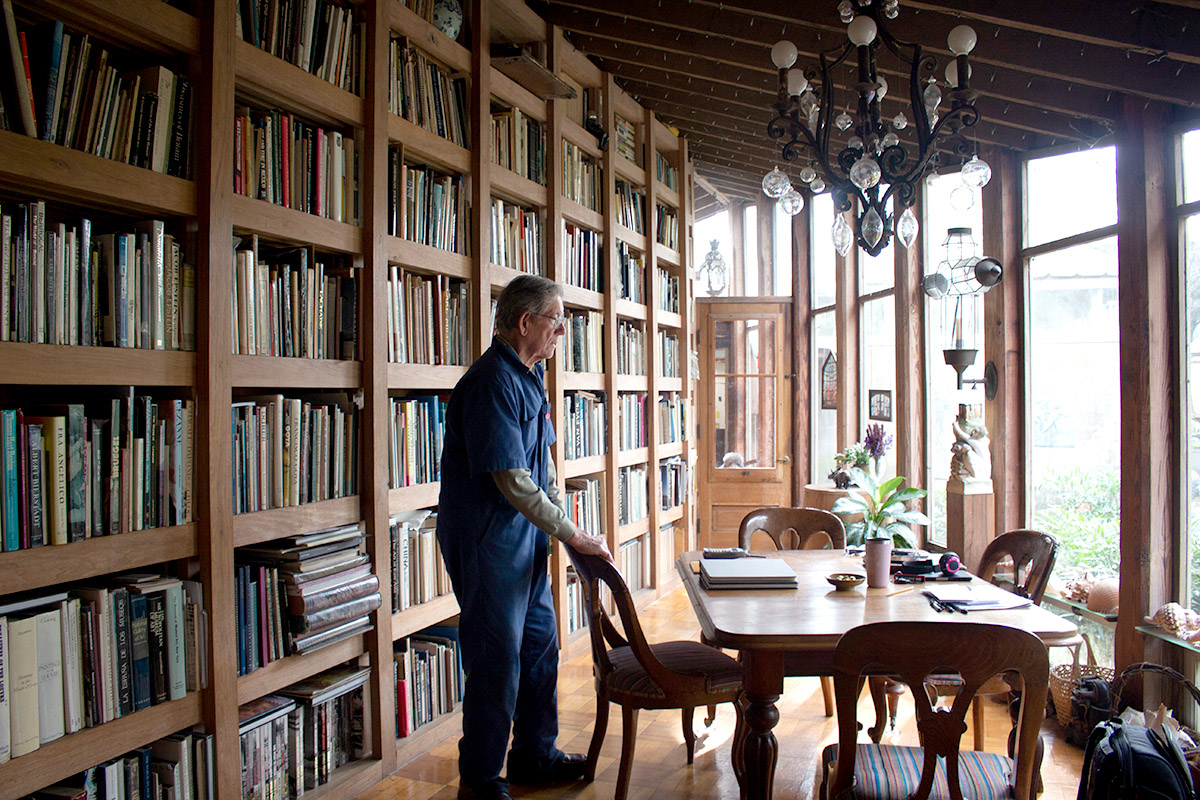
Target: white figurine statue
<point>971,461</point>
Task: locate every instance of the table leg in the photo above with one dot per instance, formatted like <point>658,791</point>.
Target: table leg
<point>760,750</point>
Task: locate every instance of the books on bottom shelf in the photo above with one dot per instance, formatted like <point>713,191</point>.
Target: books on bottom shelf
<point>87,655</point>
<point>418,572</point>
<point>428,672</point>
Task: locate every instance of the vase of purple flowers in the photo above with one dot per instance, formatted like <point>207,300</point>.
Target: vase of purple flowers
<point>876,442</point>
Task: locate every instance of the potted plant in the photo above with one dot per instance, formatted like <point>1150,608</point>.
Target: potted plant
<point>885,520</point>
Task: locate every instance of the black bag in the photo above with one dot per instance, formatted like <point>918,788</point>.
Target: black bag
<point>1090,704</point>
<point>1131,762</point>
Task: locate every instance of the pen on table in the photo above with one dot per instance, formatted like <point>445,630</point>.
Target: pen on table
<point>901,591</point>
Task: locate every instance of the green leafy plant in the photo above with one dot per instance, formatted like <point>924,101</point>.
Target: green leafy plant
<point>883,510</point>
<point>855,455</point>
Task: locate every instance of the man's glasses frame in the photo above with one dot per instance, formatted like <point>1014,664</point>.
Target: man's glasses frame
<point>558,322</point>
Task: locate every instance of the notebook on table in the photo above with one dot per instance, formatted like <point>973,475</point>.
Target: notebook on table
<point>746,573</point>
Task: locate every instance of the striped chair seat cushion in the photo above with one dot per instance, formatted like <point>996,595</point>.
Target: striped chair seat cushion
<point>691,658</point>
<point>886,772</point>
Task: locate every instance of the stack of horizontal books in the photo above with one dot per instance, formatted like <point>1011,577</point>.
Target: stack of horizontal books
<point>749,572</point>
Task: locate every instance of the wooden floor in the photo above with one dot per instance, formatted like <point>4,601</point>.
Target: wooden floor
<point>660,769</point>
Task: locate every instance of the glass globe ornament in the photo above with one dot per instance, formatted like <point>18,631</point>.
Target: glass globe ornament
<point>791,202</point>
<point>907,228</point>
<point>846,11</point>
<point>872,227</point>
<point>962,198</point>
<point>891,140</point>
<point>843,236</point>
<point>843,121</point>
<point>855,143</point>
<point>891,10</point>
<point>817,186</point>
<point>807,174</point>
<point>976,172</point>
<point>864,174</point>
<point>775,183</point>
<point>900,122</point>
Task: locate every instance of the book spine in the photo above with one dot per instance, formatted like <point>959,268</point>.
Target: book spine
<point>5,724</point>
<point>176,671</point>
<point>139,636</point>
<point>9,479</point>
<point>48,640</point>
<point>122,651</point>
<point>156,626</point>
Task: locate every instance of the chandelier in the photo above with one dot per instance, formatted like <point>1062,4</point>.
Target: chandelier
<point>880,167</point>
<point>712,271</point>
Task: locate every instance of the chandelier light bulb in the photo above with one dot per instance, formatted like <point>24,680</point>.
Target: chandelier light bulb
<point>796,82</point>
<point>783,54</point>
<point>843,236</point>
<point>952,73</point>
<point>976,172</point>
<point>900,122</point>
<point>864,174</point>
<point>862,30</point>
<point>817,186</point>
<point>907,228</point>
<point>962,198</point>
<point>807,174</point>
<point>961,40</point>
<point>791,202</point>
<point>775,183</point>
<point>843,121</point>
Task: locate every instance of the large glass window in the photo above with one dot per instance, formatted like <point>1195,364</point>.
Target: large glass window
<point>749,252</point>
<point>1189,221</point>
<point>1070,194</point>
<point>783,253</point>
<point>824,257</point>
<point>879,372</point>
<point>824,394</point>
<point>704,233</point>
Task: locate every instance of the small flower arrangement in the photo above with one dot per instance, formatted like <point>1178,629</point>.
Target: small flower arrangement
<point>855,455</point>
<point>877,441</point>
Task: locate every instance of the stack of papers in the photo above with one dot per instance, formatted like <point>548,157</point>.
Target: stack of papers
<point>975,597</point>
<point>746,573</point>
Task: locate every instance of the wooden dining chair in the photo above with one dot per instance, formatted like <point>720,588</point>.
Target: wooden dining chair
<point>913,651</point>
<point>635,674</point>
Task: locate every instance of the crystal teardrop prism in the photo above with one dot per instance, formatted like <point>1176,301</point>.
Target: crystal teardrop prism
<point>932,96</point>
<point>775,183</point>
<point>872,227</point>
<point>843,236</point>
<point>907,228</point>
<point>808,101</point>
<point>843,121</point>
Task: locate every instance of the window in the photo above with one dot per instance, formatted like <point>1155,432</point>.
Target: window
<point>783,253</point>
<point>749,252</point>
<point>704,232</point>
<point>823,330</point>
<point>1189,222</point>
<point>1070,194</point>
<point>877,349</point>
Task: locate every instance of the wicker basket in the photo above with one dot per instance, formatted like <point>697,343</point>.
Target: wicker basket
<point>1065,677</point>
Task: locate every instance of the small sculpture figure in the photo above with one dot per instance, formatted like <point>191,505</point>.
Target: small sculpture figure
<point>971,459</point>
<point>841,478</point>
<point>733,460</point>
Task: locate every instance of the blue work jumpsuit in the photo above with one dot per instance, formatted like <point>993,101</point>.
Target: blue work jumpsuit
<point>498,418</point>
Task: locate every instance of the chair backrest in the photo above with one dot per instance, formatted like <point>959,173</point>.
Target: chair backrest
<point>912,651</point>
<point>793,528</point>
<point>1032,553</point>
<point>595,571</point>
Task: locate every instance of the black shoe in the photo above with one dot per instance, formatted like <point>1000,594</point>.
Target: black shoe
<point>490,792</point>
<point>571,767</point>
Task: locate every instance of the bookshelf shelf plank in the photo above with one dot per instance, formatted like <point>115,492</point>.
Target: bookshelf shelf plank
<point>76,752</point>
<point>147,24</point>
<point>669,319</point>
<point>666,194</point>
<point>66,365</point>
<point>583,381</point>
<point>428,38</point>
<point>637,241</point>
<point>263,526</point>
<point>295,373</point>
<point>580,214</point>
<point>350,780</point>
<point>668,449</point>
<point>666,254</point>
<point>295,227</point>
<point>45,566</point>
<point>415,618</point>
<point>423,376</point>
<point>638,527</point>
<point>588,465</point>
<point>511,186</point>
<point>419,741</point>
<point>670,384</point>
<point>577,297</point>
<point>673,514</point>
<point>629,171</point>
<point>509,92</point>
<point>629,458</point>
<point>515,23</point>
<point>406,253</point>
<point>420,495</point>
<point>427,146</point>
<point>630,309</point>
<point>631,383</point>
<point>578,135</point>
<point>265,78</point>
<point>53,172</point>
<point>500,276</point>
<point>286,671</point>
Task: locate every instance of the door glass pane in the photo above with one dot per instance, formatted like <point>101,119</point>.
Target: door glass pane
<point>745,420</point>
<point>737,346</point>
<point>1074,415</point>
<point>824,395</point>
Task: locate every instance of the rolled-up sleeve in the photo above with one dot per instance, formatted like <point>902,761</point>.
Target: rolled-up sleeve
<point>542,509</point>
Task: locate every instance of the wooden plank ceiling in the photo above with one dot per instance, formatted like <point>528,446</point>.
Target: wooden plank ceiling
<point>1048,73</point>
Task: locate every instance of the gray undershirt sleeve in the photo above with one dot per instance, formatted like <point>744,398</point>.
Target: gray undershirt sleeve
<point>543,509</point>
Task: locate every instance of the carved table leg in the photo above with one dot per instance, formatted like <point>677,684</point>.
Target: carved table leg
<point>760,750</point>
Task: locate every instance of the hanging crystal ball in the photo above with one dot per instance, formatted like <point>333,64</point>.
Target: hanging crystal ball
<point>791,202</point>
<point>865,173</point>
<point>976,172</point>
<point>962,198</point>
<point>933,96</point>
<point>855,143</point>
<point>817,186</point>
<point>900,122</point>
<point>846,10</point>
<point>843,121</point>
<point>891,140</point>
<point>807,174</point>
<point>775,183</point>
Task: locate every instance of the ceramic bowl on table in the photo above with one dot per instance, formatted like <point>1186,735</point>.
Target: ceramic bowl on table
<point>845,581</point>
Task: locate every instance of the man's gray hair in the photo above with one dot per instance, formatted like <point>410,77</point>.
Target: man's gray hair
<point>524,293</point>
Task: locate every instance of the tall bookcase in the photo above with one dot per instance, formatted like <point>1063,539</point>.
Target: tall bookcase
<point>228,74</point>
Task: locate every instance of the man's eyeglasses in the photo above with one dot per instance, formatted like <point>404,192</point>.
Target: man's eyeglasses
<point>558,322</point>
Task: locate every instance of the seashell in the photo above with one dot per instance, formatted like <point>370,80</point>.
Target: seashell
<point>1104,596</point>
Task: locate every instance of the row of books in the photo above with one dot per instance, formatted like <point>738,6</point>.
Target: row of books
<point>318,36</point>
<point>665,172</point>
<point>61,87</point>
<point>582,501</point>
<point>672,482</point>
<point>631,348</point>
<point>301,593</point>
<point>631,274</point>
<point>626,138</point>
<point>177,766</point>
<point>633,559</point>
<point>418,572</point>
<point>582,179</point>
<point>666,226</point>
<point>672,417</point>
<point>518,143</point>
<point>426,94</point>
<point>668,354</point>
<point>67,475</point>
<point>576,611</point>
<point>297,307</point>
<point>429,318</point>
<point>632,417</point>
<point>293,741</point>
<point>581,256</point>
<point>89,654</point>
<point>416,430</point>
<point>293,450</point>
<point>632,494</point>
<point>582,347</point>
<point>668,290</point>
<point>516,236</point>
<point>427,206</point>
<point>631,207</point>
<point>63,283</point>
<point>428,672</point>
<point>585,425</point>
<point>295,164</point>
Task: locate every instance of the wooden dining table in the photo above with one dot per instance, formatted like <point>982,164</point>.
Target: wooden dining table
<point>765,625</point>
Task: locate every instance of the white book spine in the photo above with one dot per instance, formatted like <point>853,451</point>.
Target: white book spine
<point>72,664</point>
<point>5,730</point>
<point>23,685</point>
<point>51,718</point>
<point>176,670</point>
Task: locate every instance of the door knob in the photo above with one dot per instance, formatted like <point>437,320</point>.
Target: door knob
<point>783,460</point>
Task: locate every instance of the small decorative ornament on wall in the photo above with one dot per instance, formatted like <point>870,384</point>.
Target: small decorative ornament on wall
<point>879,405</point>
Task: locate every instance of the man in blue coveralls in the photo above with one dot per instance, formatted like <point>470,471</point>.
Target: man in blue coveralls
<point>499,500</point>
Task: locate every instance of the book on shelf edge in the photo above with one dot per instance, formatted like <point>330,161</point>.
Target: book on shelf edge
<point>334,615</point>
<point>327,685</point>
<point>313,641</point>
